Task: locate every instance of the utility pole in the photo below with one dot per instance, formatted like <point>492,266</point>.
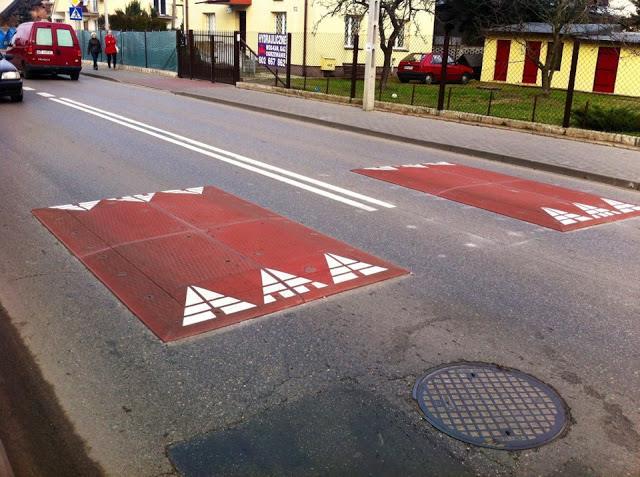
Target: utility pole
<point>369,97</point>
<point>106,16</point>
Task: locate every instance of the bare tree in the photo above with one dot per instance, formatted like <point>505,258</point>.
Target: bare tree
<point>395,17</point>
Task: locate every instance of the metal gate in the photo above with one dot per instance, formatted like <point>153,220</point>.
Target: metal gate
<point>209,55</point>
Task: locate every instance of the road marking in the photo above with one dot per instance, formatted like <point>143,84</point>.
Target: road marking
<point>46,95</point>
<point>344,269</point>
<point>565,218</point>
<point>274,172</point>
<point>284,284</point>
<point>200,305</point>
<point>27,88</point>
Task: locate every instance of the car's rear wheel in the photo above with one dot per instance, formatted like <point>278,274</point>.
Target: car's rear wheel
<point>17,98</point>
<point>403,79</point>
<point>428,79</point>
<point>465,78</point>
<point>75,76</point>
<point>26,73</point>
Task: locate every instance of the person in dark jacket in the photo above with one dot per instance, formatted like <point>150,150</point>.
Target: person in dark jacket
<point>94,48</point>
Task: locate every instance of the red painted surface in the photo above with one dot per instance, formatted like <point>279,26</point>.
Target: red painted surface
<point>530,73</point>
<point>521,199</point>
<point>502,60</point>
<point>606,70</point>
<point>166,258</point>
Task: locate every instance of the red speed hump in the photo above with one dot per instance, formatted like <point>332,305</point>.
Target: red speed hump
<point>193,260</point>
<point>541,204</point>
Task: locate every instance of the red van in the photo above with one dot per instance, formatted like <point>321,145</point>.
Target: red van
<point>46,47</point>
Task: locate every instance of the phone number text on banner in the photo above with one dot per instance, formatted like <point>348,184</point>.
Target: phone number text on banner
<point>272,50</point>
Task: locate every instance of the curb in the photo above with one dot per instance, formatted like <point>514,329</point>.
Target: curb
<point>5,466</point>
<point>137,69</point>
<point>491,156</point>
<point>582,135</point>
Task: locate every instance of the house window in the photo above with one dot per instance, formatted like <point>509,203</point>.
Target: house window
<point>558,63</point>
<point>210,21</point>
<point>351,29</point>
<point>281,22</point>
<point>399,44</point>
<point>160,7</point>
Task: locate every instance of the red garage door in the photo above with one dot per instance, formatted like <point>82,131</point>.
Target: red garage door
<point>530,75</point>
<point>606,70</point>
<point>502,60</point>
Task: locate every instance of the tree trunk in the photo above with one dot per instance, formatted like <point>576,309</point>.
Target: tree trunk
<point>386,66</point>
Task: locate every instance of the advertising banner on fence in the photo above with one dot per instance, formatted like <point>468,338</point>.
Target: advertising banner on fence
<point>272,50</point>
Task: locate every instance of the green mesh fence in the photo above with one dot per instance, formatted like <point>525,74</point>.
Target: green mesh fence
<point>154,49</point>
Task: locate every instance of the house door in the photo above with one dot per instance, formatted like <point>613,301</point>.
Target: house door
<point>606,70</point>
<point>502,60</point>
<point>532,56</point>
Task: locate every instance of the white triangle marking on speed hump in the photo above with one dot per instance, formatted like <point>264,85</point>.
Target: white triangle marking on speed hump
<point>82,206</point>
<point>566,218</point>
<point>190,190</point>
<point>381,168</point>
<point>136,198</point>
<point>596,212</point>
<point>201,303</point>
<point>344,269</point>
<point>623,207</point>
<point>275,282</point>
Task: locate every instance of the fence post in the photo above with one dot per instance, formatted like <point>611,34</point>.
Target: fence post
<point>288,86</point>
<point>354,66</point>
<point>490,102</point>
<point>572,84</point>
<point>146,58</point>
<point>443,71</point>
<point>179,52</point>
<point>212,48</point>
<point>191,53</point>
<point>535,107</point>
<point>413,94</point>
<point>236,57</point>
<point>449,98</point>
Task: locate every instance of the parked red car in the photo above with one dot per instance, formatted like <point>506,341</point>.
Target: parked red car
<point>426,67</point>
<point>46,47</point>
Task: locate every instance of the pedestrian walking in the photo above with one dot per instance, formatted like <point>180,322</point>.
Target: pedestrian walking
<point>94,49</point>
<point>110,48</point>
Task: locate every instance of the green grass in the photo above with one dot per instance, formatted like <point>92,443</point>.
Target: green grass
<point>510,101</point>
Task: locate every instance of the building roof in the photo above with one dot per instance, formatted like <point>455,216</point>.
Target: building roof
<point>540,28</point>
<point>627,38</point>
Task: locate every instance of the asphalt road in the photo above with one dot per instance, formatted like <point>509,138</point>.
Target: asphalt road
<point>483,287</point>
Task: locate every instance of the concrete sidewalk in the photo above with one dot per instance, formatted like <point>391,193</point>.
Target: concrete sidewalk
<point>607,164</point>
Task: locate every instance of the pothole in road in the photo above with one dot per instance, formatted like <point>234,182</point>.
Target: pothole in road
<point>490,406</point>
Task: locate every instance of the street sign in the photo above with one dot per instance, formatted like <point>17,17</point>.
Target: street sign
<point>541,204</point>
<point>75,13</point>
<point>272,50</point>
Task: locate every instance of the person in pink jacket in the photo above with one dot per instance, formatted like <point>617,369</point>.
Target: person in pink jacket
<point>110,48</point>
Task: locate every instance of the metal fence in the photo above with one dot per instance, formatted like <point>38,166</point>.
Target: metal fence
<point>596,88</point>
<point>208,55</point>
<point>147,49</point>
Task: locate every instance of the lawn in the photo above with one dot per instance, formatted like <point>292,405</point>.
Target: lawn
<point>509,101</point>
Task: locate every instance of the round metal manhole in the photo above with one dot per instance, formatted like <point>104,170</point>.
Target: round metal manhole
<point>490,406</point>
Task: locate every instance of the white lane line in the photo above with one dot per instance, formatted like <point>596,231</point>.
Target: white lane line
<point>46,95</point>
<point>27,88</point>
<point>239,157</point>
<point>200,150</point>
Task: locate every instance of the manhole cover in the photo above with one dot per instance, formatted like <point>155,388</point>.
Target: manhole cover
<point>490,406</point>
